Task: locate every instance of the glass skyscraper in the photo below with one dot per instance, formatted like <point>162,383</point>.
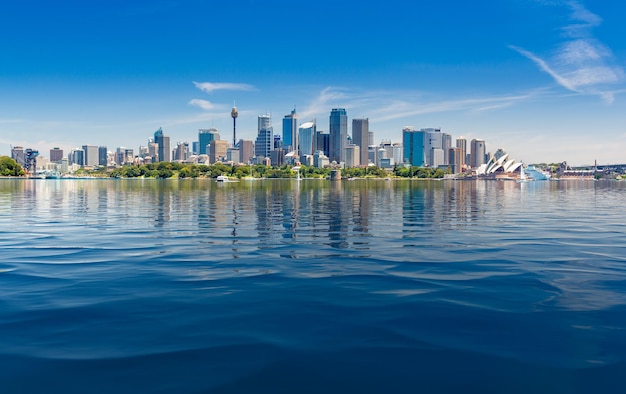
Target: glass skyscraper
<point>290,131</point>
<point>205,136</point>
<point>338,131</point>
<point>360,137</point>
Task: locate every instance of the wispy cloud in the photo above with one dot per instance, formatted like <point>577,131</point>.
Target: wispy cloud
<point>204,104</point>
<point>581,63</point>
<point>209,87</point>
<point>383,106</point>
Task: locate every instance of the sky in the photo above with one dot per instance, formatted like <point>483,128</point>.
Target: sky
<point>542,79</point>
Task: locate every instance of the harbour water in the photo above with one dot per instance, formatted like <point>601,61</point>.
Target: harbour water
<point>280,286</point>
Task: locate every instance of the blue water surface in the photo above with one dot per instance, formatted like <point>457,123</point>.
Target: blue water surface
<point>280,286</point>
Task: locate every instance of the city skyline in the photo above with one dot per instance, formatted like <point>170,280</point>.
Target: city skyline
<point>543,80</point>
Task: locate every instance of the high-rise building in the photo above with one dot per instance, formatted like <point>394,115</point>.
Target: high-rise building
<point>124,155</point>
<point>91,155</point>
<point>322,142</point>
<point>77,156</point>
<point>353,156</point>
<point>181,151</point>
<point>217,151</point>
<point>477,154</point>
<point>103,156</point>
<point>360,137</point>
<point>205,136</point>
<point>153,150</point>
<point>164,149</point>
<point>246,150</point>
<point>306,136</point>
<point>290,132</point>
<point>17,154</point>
<point>462,144</point>
<point>56,154</point>
<point>433,139</point>
<point>455,159</point>
<point>413,144</point>
<point>264,141</point>
<point>338,131</point>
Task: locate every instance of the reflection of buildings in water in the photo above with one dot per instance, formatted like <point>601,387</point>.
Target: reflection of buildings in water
<point>163,207</point>
<point>413,210</point>
<point>337,226</point>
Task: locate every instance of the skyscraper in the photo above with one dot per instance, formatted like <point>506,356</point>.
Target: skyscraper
<point>56,155</point>
<point>103,156</point>
<point>462,144</point>
<point>306,136</point>
<point>455,157</point>
<point>413,144</point>
<point>338,134</point>
<point>246,150</point>
<point>91,155</point>
<point>477,155</point>
<point>217,151</point>
<point>360,137</point>
<point>205,136</point>
<point>163,141</point>
<point>264,140</point>
<point>17,154</point>
<point>290,132</point>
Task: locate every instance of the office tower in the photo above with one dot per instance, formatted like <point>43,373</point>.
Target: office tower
<point>91,155</point>
<point>413,145</point>
<point>277,142</point>
<point>322,142</point>
<point>234,115</point>
<point>360,137</point>
<point>205,136</point>
<point>290,132</point>
<point>264,140</point>
<point>338,134</point>
<point>398,153</point>
<point>77,156</point>
<point>370,138</point>
<point>233,155</point>
<point>17,154</point>
<point>246,150</point>
<point>56,155</point>
<point>103,156</point>
<point>462,144</point>
<point>455,159</point>
<point>217,151</point>
<point>477,154</point>
<point>277,157</point>
<point>124,155</point>
<point>353,156</point>
<point>306,136</point>
<point>432,141</point>
<point>181,151</point>
<point>446,144</point>
<point>164,149</point>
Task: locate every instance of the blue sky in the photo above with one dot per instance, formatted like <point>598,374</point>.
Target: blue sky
<point>543,80</point>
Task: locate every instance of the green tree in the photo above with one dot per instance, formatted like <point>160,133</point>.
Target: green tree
<point>9,167</point>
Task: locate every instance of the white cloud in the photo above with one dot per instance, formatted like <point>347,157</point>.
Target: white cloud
<point>204,104</point>
<point>581,64</point>
<point>209,87</point>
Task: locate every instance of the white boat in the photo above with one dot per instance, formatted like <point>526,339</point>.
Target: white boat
<point>537,174</point>
<point>222,178</point>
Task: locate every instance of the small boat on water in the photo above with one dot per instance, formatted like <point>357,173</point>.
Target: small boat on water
<point>222,178</point>
<point>537,174</point>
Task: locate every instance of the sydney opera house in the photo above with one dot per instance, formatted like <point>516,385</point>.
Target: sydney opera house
<point>502,167</point>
